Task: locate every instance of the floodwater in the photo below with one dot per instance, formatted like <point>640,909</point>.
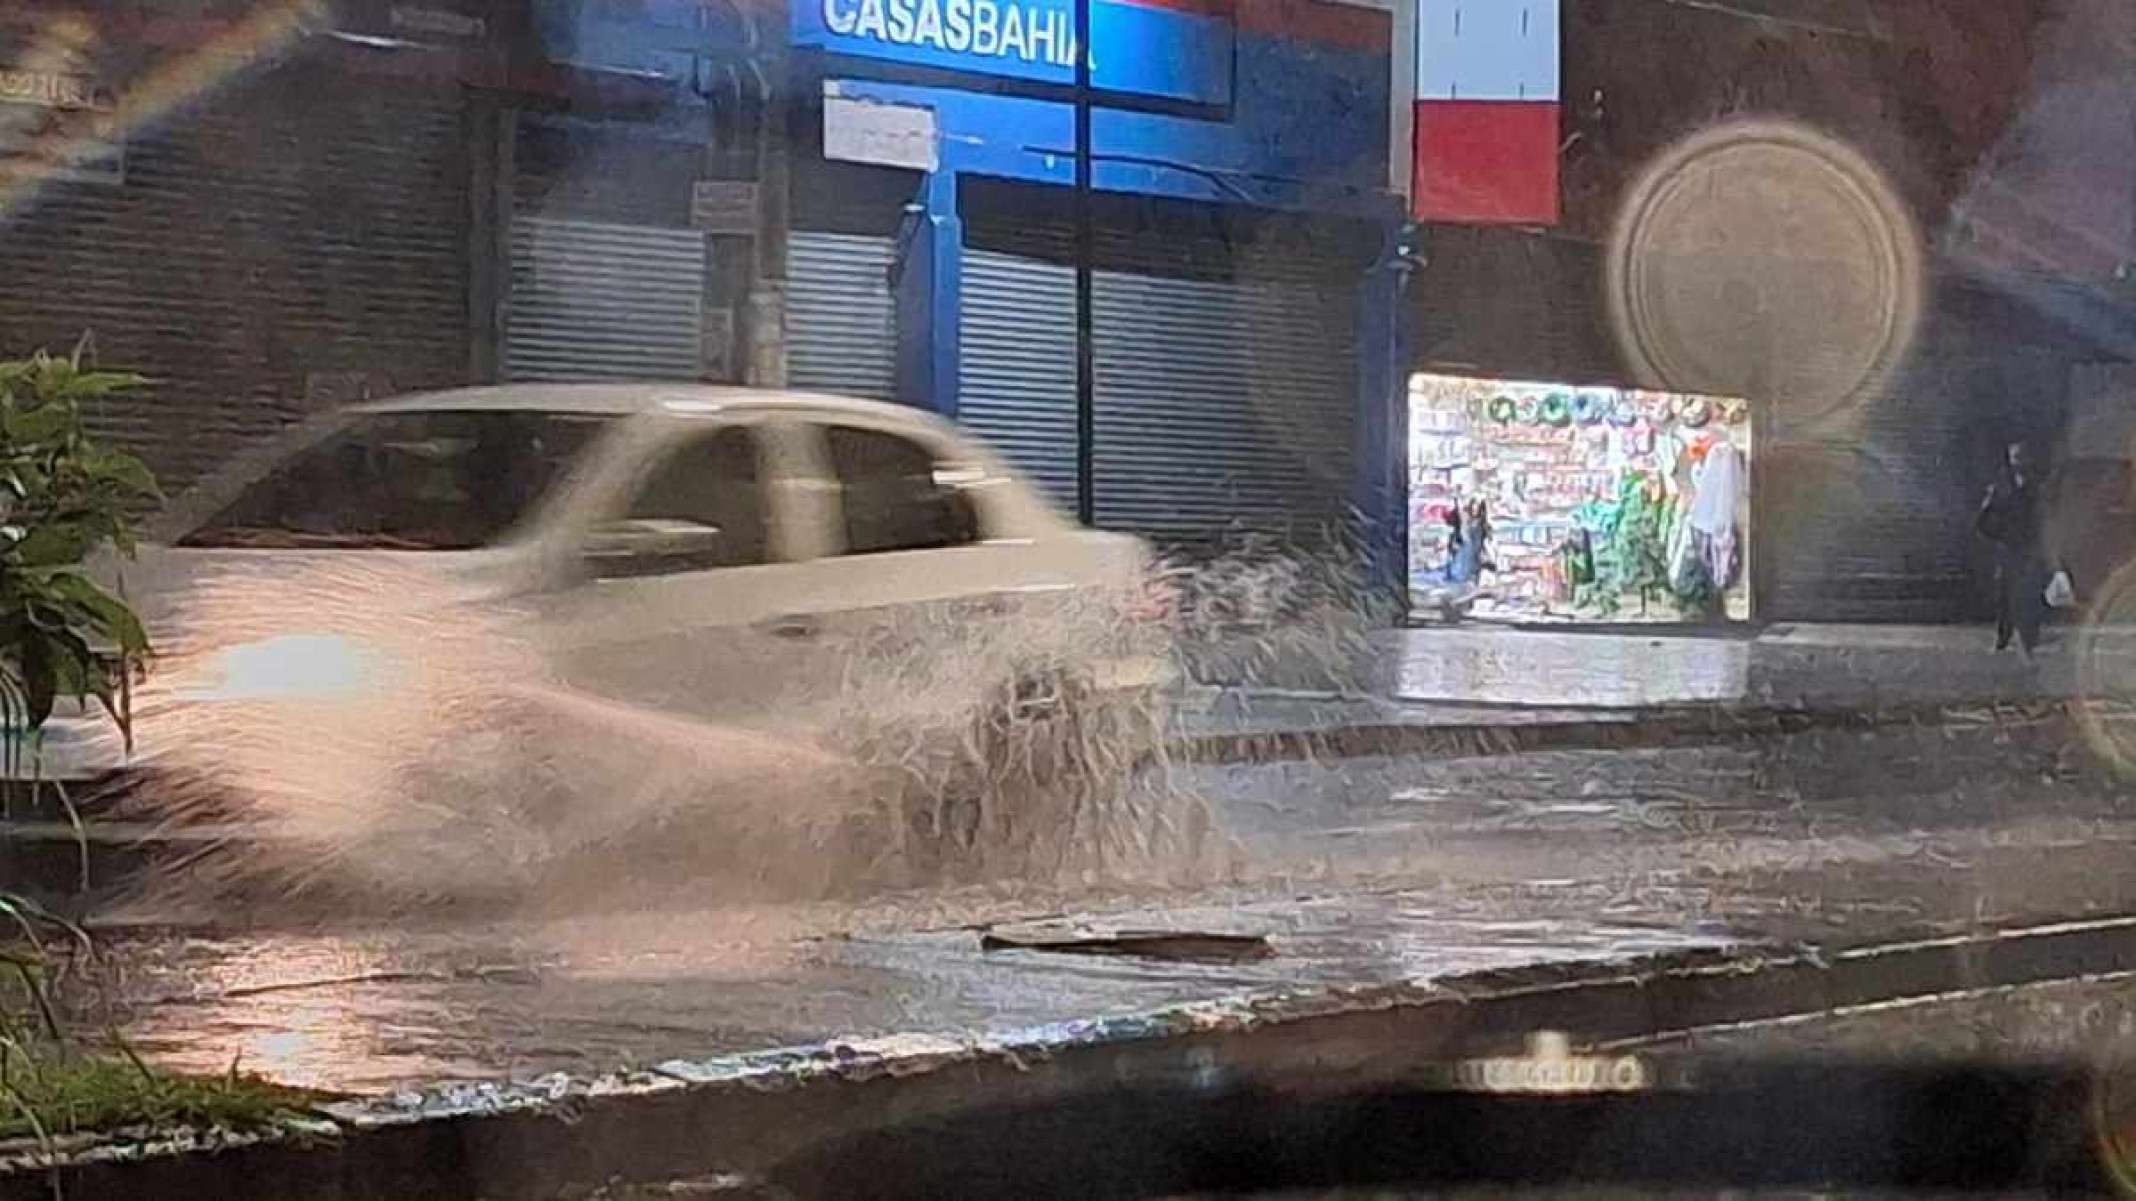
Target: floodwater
<point>1359,872</point>
<point>457,865</point>
<point>375,1012</point>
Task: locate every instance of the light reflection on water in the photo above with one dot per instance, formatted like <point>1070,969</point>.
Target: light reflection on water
<point>303,1011</point>
<point>1908,828</point>
<point>368,1014</point>
<point>1485,667</point>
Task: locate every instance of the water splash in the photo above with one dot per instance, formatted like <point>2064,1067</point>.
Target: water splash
<point>1274,614</point>
<point>370,736</point>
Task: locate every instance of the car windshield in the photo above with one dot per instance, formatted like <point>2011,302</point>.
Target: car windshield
<point>418,480</point>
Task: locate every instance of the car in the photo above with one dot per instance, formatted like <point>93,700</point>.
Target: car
<point>711,552</point>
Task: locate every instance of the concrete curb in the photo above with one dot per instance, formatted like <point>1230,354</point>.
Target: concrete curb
<point>744,1115</point>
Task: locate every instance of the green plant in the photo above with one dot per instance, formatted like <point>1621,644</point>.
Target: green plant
<point>48,1097</point>
<point>63,498</point>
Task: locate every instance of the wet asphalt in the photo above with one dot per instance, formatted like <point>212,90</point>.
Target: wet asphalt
<point>1355,871</point>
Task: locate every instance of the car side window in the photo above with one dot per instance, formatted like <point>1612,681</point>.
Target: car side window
<point>895,494</point>
<point>701,508</point>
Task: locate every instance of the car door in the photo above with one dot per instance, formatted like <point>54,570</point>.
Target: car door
<point>683,578</point>
<point>912,566</point>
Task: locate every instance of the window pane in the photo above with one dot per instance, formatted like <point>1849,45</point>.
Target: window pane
<point>445,480</point>
<point>712,482</point>
<point>893,500</point>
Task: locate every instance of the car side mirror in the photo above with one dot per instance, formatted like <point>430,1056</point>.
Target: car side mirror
<point>648,546</point>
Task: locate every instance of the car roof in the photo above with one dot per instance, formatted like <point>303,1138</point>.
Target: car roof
<point>624,400</point>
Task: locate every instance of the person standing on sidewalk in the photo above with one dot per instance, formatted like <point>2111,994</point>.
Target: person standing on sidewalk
<point>2011,520</point>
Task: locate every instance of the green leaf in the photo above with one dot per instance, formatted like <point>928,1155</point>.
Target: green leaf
<point>122,470</point>
<point>53,376</point>
<point>27,478</point>
<point>62,496</point>
<point>82,679</point>
<point>45,616</point>
<point>41,424</point>
<point>114,618</point>
<point>54,545</point>
<point>104,383</point>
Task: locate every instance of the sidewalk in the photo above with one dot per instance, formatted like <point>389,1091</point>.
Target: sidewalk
<point>1490,677</point>
<point>1452,692</point>
<point>1800,666</point>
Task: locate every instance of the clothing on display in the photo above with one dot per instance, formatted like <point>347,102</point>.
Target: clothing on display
<point>1607,504</point>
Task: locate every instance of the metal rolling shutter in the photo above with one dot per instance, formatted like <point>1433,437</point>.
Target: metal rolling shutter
<point>841,323</point>
<point>1511,304</point>
<point>301,229</point>
<point>594,300</point>
<point>1870,517</point>
<point>1222,403</point>
<point>1018,373</point>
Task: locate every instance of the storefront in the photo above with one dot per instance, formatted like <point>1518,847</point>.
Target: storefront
<point>1226,361</point>
<point>1233,227</point>
<point>1540,502</point>
<point>426,195</point>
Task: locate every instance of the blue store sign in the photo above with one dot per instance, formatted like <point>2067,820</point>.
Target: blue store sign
<point>1138,49</point>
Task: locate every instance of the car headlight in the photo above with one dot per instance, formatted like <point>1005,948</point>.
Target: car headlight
<point>287,667</point>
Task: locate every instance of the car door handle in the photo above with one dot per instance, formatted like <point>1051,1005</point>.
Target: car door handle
<point>793,627</point>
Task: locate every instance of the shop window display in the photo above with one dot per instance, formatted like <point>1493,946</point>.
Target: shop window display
<point>1540,502</point>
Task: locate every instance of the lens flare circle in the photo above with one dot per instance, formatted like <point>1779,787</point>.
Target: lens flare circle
<point>2106,670</point>
<point>1764,258</point>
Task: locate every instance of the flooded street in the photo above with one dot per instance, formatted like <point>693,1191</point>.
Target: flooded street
<point>372,1014</point>
<point>1357,872</point>
<point>604,599</point>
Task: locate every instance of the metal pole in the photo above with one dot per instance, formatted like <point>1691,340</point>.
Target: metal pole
<point>1085,343</point>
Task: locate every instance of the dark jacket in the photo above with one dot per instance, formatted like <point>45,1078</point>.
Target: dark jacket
<point>2011,516</point>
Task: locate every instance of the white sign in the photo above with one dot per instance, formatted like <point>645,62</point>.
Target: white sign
<point>888,135</point>
<point>1505,50</point>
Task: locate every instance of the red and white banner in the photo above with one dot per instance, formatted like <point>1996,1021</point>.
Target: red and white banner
<point>1486,120</point>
